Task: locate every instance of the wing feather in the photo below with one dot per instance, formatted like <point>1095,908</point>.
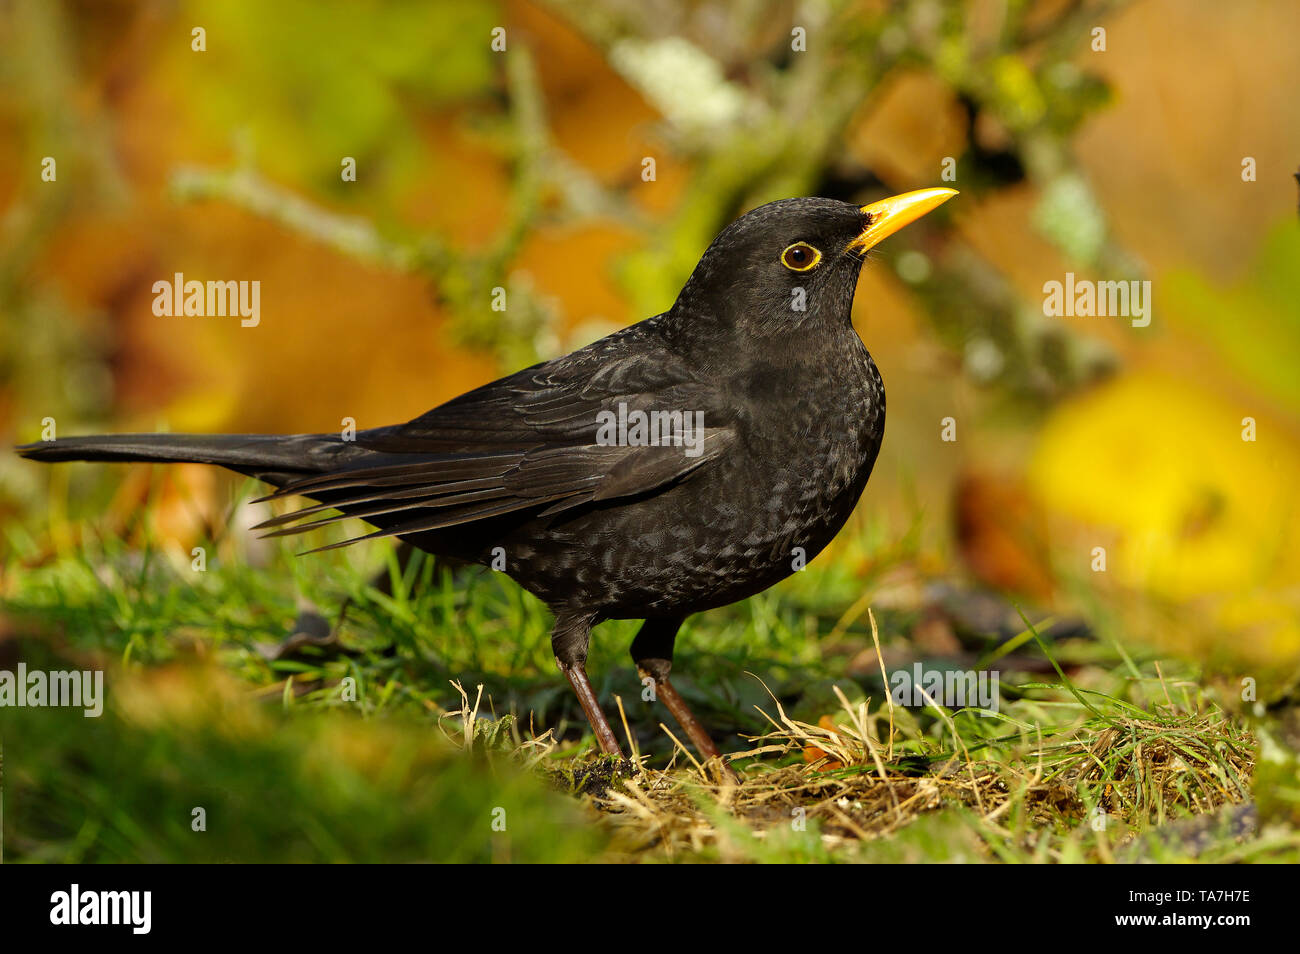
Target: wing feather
<point>527,442</point>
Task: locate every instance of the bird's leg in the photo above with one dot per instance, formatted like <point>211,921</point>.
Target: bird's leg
<point>569,642</point>
<point>652,651</point>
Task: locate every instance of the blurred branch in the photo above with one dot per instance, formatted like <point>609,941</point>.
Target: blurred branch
<point>245,188</point>
<point>799,109</point>
<point>462,280</point>
<point>757,122</point>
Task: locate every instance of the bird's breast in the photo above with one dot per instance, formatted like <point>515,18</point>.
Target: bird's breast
<point>786,488</point>
<point>805,445</point>
<point>821,419</point>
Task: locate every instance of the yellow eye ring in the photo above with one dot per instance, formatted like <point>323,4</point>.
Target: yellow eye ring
<point>800,257</point>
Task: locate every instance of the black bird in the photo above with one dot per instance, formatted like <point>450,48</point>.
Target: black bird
<point>683,463</point>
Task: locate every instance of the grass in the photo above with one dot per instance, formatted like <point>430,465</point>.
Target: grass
<point>432,724</point>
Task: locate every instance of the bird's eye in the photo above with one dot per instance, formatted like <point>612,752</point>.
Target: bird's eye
<point>800,257</point>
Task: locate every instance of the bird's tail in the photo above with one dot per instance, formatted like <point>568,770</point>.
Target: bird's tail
<point>265,456</point>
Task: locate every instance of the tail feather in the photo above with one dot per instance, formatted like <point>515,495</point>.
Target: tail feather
<point>264,456</point>
<point>448,491</point>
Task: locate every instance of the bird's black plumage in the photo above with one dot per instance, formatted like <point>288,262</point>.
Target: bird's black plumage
<point>759,350</point>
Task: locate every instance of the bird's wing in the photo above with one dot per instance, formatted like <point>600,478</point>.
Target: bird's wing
<point>530,441</point>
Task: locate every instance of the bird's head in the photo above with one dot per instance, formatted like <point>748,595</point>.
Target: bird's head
<point>794,263</point>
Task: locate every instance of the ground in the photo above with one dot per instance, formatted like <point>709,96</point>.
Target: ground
<point>429,723</point>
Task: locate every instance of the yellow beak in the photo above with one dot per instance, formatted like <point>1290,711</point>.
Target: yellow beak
<point>889,215</point>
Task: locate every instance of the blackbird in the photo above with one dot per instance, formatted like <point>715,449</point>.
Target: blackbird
<point>688,461</point>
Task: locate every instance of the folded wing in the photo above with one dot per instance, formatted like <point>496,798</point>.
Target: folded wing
<point>530,443</point>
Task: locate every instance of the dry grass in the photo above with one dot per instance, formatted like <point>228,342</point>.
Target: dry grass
<point>1143,774</point>
<point>866,775</point>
